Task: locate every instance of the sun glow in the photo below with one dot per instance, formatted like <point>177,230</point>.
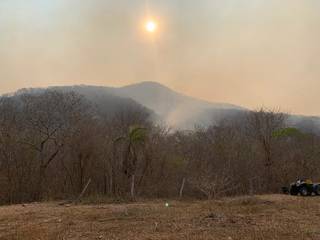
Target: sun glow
<point>151,26</point>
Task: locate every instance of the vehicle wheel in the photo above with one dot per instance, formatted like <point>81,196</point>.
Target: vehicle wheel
<point>317,190</point>
<point>285,190</point>
<point>293,191</point>
<point>304,192</point>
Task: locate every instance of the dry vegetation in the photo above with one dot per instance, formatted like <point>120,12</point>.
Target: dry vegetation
<point>261,217</point>
<point>53,143</point>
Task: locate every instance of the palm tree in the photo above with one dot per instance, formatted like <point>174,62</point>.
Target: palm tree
<point>135,137</point>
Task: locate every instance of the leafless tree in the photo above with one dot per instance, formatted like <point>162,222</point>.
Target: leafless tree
<point>53,143</point>
<point>49,118</point>
<point>262,125</point>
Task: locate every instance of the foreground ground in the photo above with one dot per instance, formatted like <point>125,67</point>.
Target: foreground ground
<point>262,217</point>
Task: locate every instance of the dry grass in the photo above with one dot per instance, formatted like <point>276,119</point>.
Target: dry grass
<point>261,217</point>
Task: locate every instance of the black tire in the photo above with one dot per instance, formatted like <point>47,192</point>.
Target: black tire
<point>285,190</point>
<point>304,192</point>
<point>293,191</point>
<point>317,190</point>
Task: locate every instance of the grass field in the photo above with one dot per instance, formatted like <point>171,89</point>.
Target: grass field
<point>260,217</point>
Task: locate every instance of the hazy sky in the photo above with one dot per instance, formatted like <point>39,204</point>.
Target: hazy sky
<point>246,52</point>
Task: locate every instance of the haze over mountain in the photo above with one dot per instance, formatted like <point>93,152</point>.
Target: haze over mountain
<point>176,109</point>
<point>172,108</point>
<point>169,107</point>
<point>252,53</point>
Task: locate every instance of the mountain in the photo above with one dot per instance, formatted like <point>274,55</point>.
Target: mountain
<point>105,102</point>
<point>305,123</point>
<point>175,109</point>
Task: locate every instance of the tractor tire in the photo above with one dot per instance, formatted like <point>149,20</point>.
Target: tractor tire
<point>304,192</point>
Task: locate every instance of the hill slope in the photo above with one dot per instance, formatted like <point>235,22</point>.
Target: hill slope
<point>175,109</point>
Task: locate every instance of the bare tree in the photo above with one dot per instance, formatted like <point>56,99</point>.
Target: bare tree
<point>213,185</point>
<point>52,143</point>
<point>49,118</point>
<point>262,125</point>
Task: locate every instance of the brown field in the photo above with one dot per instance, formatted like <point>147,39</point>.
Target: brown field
<point>260,217</point>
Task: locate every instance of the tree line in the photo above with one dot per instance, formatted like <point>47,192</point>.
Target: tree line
<point>52,143</point>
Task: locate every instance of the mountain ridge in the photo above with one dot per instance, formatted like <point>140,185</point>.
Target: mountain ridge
<point>175,109</point>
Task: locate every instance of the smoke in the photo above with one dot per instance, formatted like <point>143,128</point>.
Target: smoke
<point>251,53</point>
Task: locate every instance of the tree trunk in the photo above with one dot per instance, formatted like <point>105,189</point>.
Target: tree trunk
<point>250,187</point>
<point>39,190</point>
<point>111,191</point>
<point>113,181</point>
<point>268,164</point>
<point>83,191</point>
<point>182,188</point>
<point>105,183</point>
<point>132,187</point>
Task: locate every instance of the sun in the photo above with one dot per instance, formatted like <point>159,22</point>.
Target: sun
<point>151,26</point>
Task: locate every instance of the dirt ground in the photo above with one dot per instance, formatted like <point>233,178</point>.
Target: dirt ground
<point>260,217</point>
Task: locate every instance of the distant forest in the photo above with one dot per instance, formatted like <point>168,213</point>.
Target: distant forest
<point>53,142</point>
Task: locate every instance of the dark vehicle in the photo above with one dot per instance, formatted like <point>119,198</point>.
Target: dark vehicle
<point>304,187</point>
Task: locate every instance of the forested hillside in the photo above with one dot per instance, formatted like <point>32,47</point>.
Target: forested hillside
<point>53,142</point>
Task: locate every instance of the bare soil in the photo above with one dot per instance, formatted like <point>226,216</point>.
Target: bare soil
<point>260,217</point>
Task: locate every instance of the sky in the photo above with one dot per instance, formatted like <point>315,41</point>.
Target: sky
<point>251,53</point>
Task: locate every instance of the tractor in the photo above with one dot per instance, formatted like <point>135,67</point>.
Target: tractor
<point>304,187</point>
